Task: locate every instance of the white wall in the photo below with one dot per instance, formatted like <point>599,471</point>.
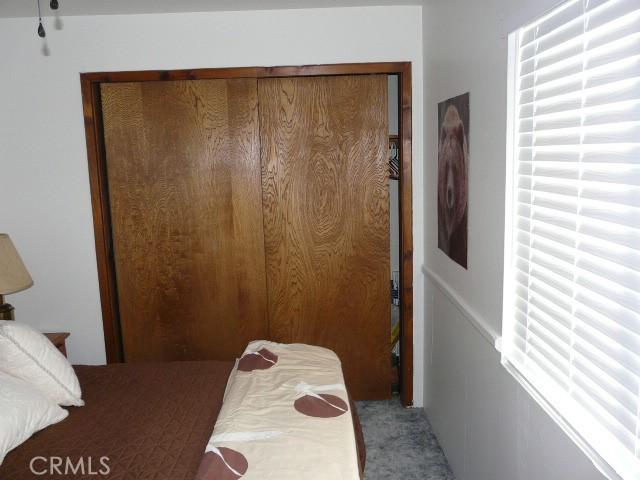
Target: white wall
<point>44,199</point>
<point>488,425</point>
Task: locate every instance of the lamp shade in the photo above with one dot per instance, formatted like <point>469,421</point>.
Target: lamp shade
<point>14,276</point>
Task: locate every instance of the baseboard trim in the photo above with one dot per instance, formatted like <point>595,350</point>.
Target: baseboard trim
<point>476,321</point>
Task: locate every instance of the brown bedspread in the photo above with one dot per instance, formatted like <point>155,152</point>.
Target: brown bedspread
<point>362,451</point>
<point>151,420</point>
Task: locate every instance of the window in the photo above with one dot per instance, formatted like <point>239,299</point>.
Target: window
<point>571,327</point>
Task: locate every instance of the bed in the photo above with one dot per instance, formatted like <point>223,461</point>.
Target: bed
<point>152,421</point>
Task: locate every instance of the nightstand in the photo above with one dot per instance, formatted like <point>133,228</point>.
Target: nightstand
<point>59,339</point>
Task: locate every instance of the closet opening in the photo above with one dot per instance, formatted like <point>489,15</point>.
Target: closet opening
<point>394,229</point>
<point>270,88</point>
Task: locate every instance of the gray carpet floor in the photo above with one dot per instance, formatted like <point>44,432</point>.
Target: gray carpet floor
<point>400,443</point>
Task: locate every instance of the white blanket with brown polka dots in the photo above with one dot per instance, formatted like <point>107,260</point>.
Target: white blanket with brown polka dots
<point>285,416</point>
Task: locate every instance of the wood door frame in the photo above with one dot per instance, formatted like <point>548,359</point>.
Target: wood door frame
<point>92,111</point>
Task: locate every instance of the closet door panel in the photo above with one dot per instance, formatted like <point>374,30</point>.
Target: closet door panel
<point>184,189</point>
<point>324,144</point>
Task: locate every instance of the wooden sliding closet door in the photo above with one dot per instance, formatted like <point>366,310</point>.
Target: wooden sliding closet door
<point>185,194</point>
<point>324,143</point>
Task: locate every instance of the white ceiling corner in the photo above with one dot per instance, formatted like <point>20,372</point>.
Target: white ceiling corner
<point>28,8</point>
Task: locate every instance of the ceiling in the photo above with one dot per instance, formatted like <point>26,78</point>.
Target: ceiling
<point>28,8</point>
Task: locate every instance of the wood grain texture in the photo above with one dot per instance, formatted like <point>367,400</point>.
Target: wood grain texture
<point>92,111</point>
<point>184,189</point>
<point>246,72</point>
<point>406,239</point>
<point>324,143</point>
<point>91,83</point>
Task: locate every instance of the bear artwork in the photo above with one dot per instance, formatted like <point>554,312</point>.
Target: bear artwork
<point>453,184</point>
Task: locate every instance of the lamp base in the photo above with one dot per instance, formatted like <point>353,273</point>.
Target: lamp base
<point>6,310</point>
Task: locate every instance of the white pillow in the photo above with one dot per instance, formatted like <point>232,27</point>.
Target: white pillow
<point>23,411</point>
<point>27,354</point>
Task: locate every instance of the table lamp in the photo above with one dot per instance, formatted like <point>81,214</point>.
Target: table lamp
<point>14,276</point>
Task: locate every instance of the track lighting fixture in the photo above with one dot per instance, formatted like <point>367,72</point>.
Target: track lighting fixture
<point>41,32</point>
<point>54,5</point>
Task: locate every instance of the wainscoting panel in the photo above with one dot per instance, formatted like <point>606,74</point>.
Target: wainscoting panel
<point>489,427</point>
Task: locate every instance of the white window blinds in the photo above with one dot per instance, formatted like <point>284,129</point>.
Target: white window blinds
<point>571,329</point>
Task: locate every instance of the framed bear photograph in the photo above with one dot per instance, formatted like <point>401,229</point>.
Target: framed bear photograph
<point>453,177</point>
